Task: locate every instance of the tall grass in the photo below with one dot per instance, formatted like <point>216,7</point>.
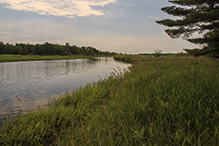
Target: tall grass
<point>165,101</point>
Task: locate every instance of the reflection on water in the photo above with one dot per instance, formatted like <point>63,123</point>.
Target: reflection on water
<point>34,81</point>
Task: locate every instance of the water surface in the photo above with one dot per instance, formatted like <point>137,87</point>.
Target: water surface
<point>34,81</point>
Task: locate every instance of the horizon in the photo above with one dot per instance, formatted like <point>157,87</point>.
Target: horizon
<point>107,25</point>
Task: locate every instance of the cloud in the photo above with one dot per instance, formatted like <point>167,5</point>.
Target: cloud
<point>153,17</point>
<point>5,38</point>
<point>5,33</point>
<point>68,8</point>
<point>24,35</point>
<point>59,41</point>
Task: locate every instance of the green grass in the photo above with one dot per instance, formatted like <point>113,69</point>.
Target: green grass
<point>160,101</point>
<point>12,58</point>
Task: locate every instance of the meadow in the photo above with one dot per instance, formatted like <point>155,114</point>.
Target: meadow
<point>12,58</point>
<point>170,100</point>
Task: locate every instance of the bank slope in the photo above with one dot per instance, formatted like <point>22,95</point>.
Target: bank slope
<point>165,101</point>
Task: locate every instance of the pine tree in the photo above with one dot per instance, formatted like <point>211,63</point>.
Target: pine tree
<point>200,16</point>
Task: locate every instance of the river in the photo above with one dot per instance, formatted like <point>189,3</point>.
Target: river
<point>33,82</point>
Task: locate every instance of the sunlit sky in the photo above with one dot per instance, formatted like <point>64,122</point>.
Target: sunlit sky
<point>126,26</point>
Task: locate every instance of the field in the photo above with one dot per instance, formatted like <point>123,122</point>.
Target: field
<point>11,58</point>
<point>170,100</point>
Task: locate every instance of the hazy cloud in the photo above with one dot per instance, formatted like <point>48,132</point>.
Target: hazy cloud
<point>5,38</point>
<point>153,17</point>
<point>5,32</point>
<point>59,41</point>
<point>23,35</point>
<point>69,8</point>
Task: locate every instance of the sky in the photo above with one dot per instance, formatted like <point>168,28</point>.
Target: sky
<point>122,26</point>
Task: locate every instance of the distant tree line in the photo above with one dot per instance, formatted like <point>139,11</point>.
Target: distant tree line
<point>49,49</point>
<point>156,55</point>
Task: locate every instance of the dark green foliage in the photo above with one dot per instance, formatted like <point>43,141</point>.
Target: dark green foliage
<point>49,49</point>
<point>2,48</point>
<point>197,16</point>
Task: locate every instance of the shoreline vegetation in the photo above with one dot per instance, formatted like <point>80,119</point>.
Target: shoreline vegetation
<point>47,51</point>
<point>167,100</point>
<point>15,58</point>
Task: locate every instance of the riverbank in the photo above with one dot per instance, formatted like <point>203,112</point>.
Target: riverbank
<point>12,58</point>
<point>161,101</point>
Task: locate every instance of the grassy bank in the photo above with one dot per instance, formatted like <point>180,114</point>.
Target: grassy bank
<point>11,58</point>
<point>160,101</point>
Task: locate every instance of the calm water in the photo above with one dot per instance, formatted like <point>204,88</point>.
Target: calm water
<point>34,81</point>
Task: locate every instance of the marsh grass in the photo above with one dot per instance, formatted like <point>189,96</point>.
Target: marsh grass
<point>164,101</point>
<point>12,58</point>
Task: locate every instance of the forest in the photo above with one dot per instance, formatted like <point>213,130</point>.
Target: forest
<point>50,49</point>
